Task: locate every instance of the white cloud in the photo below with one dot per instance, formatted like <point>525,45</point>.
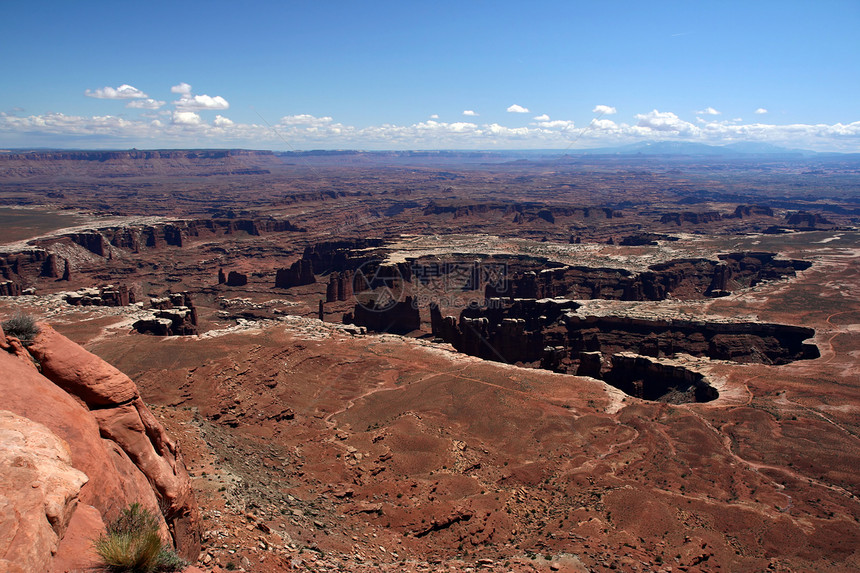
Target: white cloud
<point>434,116</point>
<point>304,119</point>
<point>190,102</point>
<point>181,88</point>
<point>200,102</point>
<point>458,126</point>
<point>761,111</point>
<point>181,128</point>
<point>186,118</point>
<point>541,117</point>
<point>663,122</point>
<point>517,109</point>
<point>221,121</point>
<point>605,125</point>
<point>70,125</point>
<point>470,113</point>
<point>557,124</point>
<point>514,133</point>
<point>604,109</point>
<point>147,103</point>
<point>709,111</point>
<point>124,91</point>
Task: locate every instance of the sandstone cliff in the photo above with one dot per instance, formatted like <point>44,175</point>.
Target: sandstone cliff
<point>551,334</point>
<point>47,259</point>
<point>79,445</point>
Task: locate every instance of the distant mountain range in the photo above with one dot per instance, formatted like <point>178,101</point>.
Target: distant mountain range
<point>691,148</point>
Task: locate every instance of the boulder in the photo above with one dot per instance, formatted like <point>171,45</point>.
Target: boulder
<point>79,372</point>
<point>114,481</point>
<point>38,493</point>
<point>144,439</point>
<point>76,551</point>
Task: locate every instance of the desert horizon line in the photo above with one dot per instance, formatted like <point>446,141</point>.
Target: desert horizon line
<point>630,149</point>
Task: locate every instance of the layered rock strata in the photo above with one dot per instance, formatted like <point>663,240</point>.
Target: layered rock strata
<point>550,334</point>
<point>171,315</point>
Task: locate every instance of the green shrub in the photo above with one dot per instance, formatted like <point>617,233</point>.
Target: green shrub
<point>21,326</point>
<point>132,552</point>
<point>133,544</point>
<point>168,560</point>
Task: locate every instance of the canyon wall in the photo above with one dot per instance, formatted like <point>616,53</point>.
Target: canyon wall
<point>550,334</point>
<point>43,260</point>
<point>680,278</point>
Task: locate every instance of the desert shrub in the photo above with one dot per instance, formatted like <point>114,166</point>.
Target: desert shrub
<point>168,560</point>
<point>21,326</point>
<point>133,544</point>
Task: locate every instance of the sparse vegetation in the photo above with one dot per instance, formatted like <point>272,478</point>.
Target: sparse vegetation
<point>133,544</point>
<point>21,326</point>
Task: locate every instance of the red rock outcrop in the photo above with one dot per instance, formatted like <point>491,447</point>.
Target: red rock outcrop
<point>806,220</point>
<point>39,490</point>
<point>743,342</point>
<point>92,241</point>
<point>9,288</point>
<point>104,296</point>
<point>22,269</point>
<point>690,217</point>
<point>742,211</point>
<point>113,437</point>
<point>339,286</point>
<point>76,551</point>
<point>385,316</point>
<point>80,373</point>
<point>236,278</point>
<point>172,315</point>
<point>300,272</point>
<point>341,255</point>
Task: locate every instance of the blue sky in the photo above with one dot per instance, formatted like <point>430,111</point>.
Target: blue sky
<point>455,75</point>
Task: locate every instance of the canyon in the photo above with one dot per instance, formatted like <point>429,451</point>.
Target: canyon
<point>414,362</point>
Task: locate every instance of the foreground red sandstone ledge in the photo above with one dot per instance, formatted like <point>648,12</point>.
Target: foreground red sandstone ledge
<point>117,449</point>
